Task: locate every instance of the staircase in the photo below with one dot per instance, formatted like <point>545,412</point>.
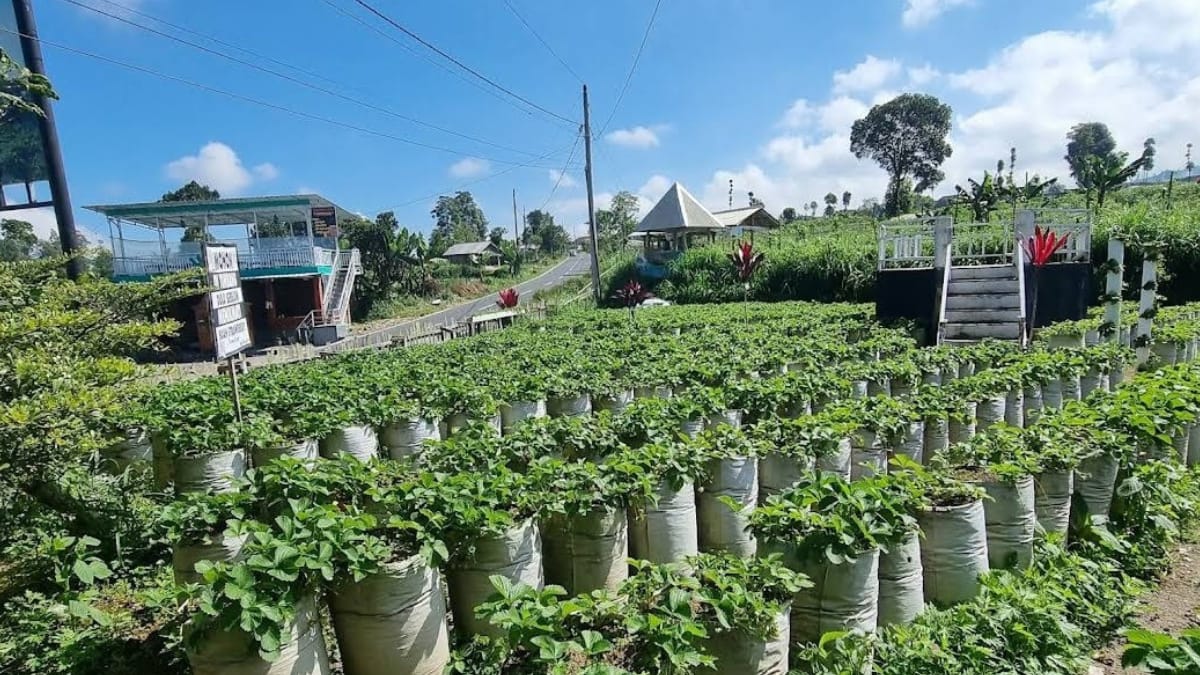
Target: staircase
<point>330,323</point>
<point>982,301</point>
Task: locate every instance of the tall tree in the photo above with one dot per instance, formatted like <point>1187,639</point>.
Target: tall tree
<point>788,215</point>
<point>617,222</point>
<point>831,201</point>
<point>846,196</point>
<point>755,201</point>
<point>1084,141</point>
<point>17,241</point>
<point>392,258</point>
<point>1149,149</point>
<point>456,219</point>
<point>541,231</point>
<point>496,236</point>
<point>1110,172</point>
<point>812,206</point>
<point>191,192</point>
<point>907,137</point>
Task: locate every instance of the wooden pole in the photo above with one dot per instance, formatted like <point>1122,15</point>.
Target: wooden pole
<point>591,198</point>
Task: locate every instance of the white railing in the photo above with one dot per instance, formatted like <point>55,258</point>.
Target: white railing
<point>982,244</point>
<point>906,245</point>
<point>1079,241</point>
<point>941,327</point>
<point>1021,295</point>
<point>149,258</point>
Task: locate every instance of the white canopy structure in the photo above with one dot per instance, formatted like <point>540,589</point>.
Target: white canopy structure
<point>678,212</point>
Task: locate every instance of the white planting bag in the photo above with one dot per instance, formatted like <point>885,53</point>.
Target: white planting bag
<point>360,442</point>
<point>1179,439</point>
<point>778,473</point>
<point>731,418</point>
<point>859,389</point>
<point>133,448</point>
<point>837,462</point>
<point>1089,382</point>
<point>954,552</point>
<point>569,406</point>
<point>1070,388</point>
<point>233,652</point>
<point>513,414</point>
<point>691,428</point>
<point>1052,500</point>
<point>1193,457</point>
<point>912,445</point>
<point>1052,395</point>
<point>586,553</point>
<point>456,421</point>
<point>722,528</point>
<point>879,387</point>
<point>665,532</point>
<point>305,451</point>
<point>393,621</point>
<point>901,582</point>
<point>989,411</point>
<point>405,439</point>
<point>740,654</point>
<point>613,403</point>
<point>960,431</point>
<point>842,597</point>
<point>1095,481</point>
<point>660,391</point>
<point>936,439</point>
<point>868,456</point>
<point>1011,523</point>
<point>184,557</point>
<point>1033,404</point>
<point>1014,408</point>
<point>516,556</point>
<point>213,472</point>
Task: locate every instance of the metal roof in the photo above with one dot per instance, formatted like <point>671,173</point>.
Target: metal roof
<point>471,248</point>
<point>235,211</point>
<point>736,217</point>
<point>678,210</point>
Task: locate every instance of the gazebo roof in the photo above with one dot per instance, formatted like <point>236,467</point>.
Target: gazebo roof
<point>679,210</point>
<point>236,211</point>
<point>739,217</point>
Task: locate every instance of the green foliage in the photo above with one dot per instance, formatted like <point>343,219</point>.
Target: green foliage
<point>907,137</point>
<point>456,219</point>
<point>1161,654</point>
<point>1087,140</point>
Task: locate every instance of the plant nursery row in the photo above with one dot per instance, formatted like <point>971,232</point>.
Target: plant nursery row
<point>730,489</point>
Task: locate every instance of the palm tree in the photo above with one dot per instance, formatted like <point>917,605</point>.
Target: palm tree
<point>1109,172</point>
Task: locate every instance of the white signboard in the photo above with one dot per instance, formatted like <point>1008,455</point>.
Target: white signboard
<point>231,332</point>
<point>232,338</point>
<point>227,297</point>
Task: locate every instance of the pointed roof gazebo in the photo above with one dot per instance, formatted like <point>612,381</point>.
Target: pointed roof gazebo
<point>679,213</point>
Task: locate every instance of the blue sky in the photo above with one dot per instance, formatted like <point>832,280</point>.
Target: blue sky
<point>759,91</point>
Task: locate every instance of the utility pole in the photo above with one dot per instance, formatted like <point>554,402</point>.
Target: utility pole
<point>591,198</point>
<point>56,175</point>
<point>516,234</point>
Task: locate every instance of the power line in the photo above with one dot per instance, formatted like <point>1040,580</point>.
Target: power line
<point>628,78</point>
<point>259,102</point>
<point>541,40</point>
<point>289,78</point>
<point>395,24</point>
<point>563,172</point>
<point>469,183</point>
<point>424,57</point>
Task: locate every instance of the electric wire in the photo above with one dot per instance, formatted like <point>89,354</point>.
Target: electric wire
<point>262,103</point>
<point>284,76</point>
<point>629,78</point>
<point>540,39</point>
<point>563,172</point>
<point>400,27</point>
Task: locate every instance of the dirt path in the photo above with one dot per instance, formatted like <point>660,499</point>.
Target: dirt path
<point>1169,608</point>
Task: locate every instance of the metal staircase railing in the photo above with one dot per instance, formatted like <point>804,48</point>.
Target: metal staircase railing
<point>1020,259</point>
<point>335,307</point>
<point>941,329</point>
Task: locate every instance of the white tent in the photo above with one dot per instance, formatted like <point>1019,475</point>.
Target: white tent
<point>679,212</point>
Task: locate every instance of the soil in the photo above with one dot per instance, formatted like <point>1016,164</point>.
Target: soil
<point>1171,607</point>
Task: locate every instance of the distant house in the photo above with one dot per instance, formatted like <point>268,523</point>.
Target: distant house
<point>474,253</point>
<point>747,219</point>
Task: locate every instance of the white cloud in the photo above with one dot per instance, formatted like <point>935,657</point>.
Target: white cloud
<point>562,178</point>
<point>920,12</point>
<point>305,190</point>
<point>219,167</point>
<point>45,223</point>
<point>869,75</point>
<point>1027,95</point>
<point>470,167</point>
<point>655,187</point>
<point>266,171</point>
<point>638,137</point>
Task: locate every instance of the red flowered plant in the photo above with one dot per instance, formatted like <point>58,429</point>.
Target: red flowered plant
<point>1042,246</point>
<point>508,298</point>
<point>632,294</point>
<point>1039,250</point>
<point>745,261</point>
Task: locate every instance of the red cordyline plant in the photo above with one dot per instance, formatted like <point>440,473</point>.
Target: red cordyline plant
<point>1039,250</point>
<point>631,295</point>
<point>508,298</point>
<point>745,260</point>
